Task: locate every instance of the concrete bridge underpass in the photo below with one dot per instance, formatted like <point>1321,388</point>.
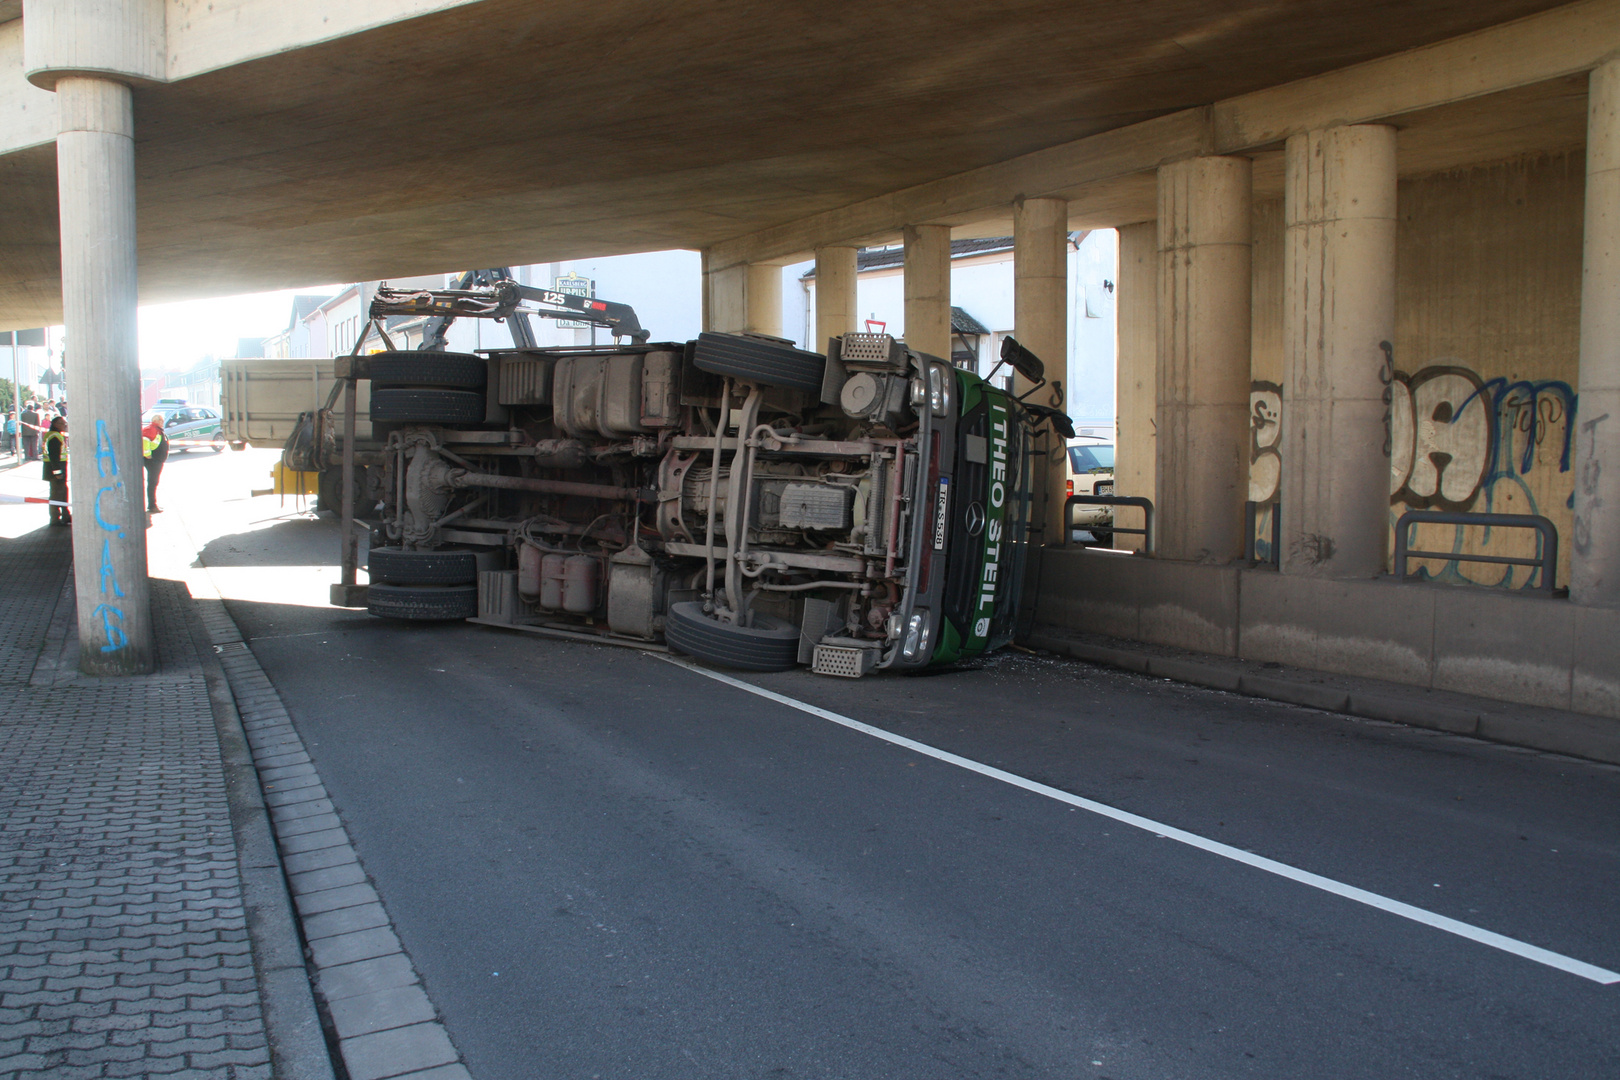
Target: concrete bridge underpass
<point>1370,256</point>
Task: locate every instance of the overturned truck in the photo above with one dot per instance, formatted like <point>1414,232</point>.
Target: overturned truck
<point>735,498</point>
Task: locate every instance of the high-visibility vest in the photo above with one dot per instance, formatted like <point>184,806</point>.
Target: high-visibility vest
<point>149,446</point>
<point>55,464</point>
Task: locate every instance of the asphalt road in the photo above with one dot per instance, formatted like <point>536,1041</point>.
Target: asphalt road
<point>606,865</point>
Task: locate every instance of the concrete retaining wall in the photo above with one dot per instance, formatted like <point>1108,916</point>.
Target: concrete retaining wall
<point>1508,646</point>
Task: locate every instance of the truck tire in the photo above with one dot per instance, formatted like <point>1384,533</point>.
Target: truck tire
<point>762,361</point>
<point>398,566</point>
<point>771,644</point>
<point>423,406</point>
<point>456,371</point>
<point>422,601</point>
<point>329,491</point>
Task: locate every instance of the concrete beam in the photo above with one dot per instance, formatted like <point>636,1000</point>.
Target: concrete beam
<point>1563,41</point>
<point>27,113</point>
<point>1093,173</point>
<point>962,198</point>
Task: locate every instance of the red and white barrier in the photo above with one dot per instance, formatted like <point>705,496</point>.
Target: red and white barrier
<point>31,499</point>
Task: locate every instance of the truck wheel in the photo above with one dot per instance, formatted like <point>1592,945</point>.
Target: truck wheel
<point>419,406</point>
<point>460,371</point>
<point>771,644</point>
<point>763,361</point>
<point>422,602</point>
<point>398,566</point>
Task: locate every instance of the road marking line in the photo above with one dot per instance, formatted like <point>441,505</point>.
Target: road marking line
<point>1214,847</point>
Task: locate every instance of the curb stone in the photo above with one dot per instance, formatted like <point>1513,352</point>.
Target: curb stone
<point>382,1023</point>
<point>298,1048</point>
<point>1550,730</point>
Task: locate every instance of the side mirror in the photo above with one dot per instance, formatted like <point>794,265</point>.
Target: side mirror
<point>1022,360</point>
<point>1056,417</point>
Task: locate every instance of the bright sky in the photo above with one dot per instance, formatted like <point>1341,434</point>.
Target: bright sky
<point>175,336</point>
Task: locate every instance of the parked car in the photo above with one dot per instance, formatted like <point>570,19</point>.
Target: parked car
<point>190,426</point>
<point>1091,472</point>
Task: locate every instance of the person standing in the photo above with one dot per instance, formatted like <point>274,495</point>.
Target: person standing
<point>12,444</point>
<point>30,431</point>
<point>154,452</point>
<point>56,470</point>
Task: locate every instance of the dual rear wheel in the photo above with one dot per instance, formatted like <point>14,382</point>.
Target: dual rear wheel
<point>408,584</point>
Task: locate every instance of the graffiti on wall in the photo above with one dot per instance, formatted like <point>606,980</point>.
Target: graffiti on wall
<point>1265,430</point>
<point>1454,436</point>
<point>1455,441</point>
<point>1460,442</point>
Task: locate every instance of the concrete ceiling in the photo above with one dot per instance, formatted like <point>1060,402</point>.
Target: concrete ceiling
<point>510,131</point>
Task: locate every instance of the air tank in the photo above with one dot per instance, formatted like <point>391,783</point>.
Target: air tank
<point>551,581</point>
<point>529,558</point>
<point>579,584</point>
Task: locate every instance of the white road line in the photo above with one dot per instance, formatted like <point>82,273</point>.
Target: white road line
<point>1170,832</point>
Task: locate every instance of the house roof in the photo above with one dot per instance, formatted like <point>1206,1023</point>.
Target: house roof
<point>303,304</point>
<point>963,323</point>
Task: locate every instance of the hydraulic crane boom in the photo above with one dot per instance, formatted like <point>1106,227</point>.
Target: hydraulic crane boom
<point>492,294</point>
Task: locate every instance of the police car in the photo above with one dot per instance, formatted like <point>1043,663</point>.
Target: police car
<point>189,426</point>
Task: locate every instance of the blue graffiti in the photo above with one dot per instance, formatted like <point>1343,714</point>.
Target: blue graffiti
<point>105,452</point>
<point>116,530</point>
<point>1523,413</point>
<point>1530,409</point>
<point>111,618</point>
<point>108,574</point>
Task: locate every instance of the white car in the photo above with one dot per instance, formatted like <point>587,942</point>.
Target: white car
<point>1091,472</point>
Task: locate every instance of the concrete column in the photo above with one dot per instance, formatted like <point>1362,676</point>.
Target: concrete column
<point>95,165</point>
<point>1136,378</point>
<point>764,299</point>
<point>1338,323</point>
<point>1595,543</point>
<point>1041,325</point>
<point>836,277</point>
<point>1203,358</point>
<point>928,289</point>
<point>725,298</point>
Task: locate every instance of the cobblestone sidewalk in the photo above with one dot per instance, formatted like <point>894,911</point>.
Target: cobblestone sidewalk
<point>124,945</point>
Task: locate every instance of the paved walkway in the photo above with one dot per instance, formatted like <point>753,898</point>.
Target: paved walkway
<point>124,936</point>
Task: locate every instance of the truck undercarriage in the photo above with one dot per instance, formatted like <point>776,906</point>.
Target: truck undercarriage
<point>734,498</point>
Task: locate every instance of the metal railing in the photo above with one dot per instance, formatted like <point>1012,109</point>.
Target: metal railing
<point>1251,514</point>
<point>1547,560</point>
<point>1146,531</point>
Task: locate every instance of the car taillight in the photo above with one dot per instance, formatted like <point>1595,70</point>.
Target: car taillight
<point>1071,487</point>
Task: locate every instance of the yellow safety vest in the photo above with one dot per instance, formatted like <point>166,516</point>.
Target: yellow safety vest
<point>56,465</point>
